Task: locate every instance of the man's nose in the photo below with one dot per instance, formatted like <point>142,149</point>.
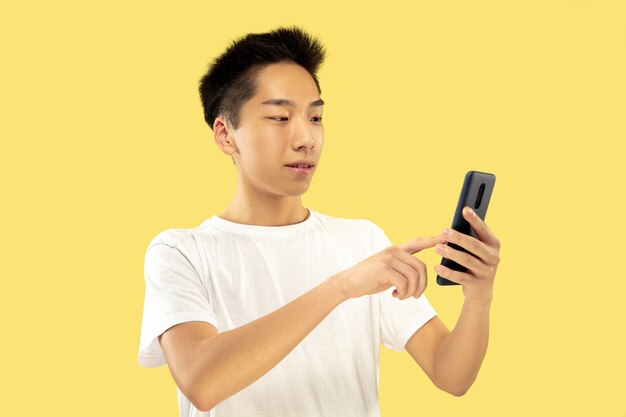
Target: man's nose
<point>303,135</point>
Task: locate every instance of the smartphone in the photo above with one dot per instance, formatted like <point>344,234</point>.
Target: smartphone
<point>475,193</point>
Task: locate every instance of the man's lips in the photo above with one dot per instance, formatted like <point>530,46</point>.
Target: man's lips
<point>303,171</point>
<point>300,165</point>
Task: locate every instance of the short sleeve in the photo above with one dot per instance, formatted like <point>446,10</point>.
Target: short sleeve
<point>399,319</point>
<point>174,294</point>
<point>379,239</point>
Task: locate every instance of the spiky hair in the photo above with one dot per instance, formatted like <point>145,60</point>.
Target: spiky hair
<point>230,79</point>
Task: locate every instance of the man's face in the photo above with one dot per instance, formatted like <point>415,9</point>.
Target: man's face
<point>272,135</point>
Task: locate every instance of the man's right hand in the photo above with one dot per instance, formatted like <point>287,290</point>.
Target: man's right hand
<point>394,265</point>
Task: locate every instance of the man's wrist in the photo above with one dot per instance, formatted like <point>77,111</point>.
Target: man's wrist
<point>479,305</point>
<point>335,284</point>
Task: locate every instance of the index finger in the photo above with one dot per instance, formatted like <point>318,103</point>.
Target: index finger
<point>416,245</point>
<point>483,232</point>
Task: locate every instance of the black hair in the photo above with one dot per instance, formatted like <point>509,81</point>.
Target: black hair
<point>230,79</point>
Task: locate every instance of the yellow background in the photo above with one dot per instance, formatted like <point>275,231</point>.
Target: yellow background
<point>104,145</point>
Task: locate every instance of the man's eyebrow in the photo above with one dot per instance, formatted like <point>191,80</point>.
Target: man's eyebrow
<point>285,102</point>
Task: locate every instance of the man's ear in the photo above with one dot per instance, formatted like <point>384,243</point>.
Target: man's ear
<point>224,136</point>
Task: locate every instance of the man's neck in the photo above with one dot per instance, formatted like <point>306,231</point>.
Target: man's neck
<point>265,216</point>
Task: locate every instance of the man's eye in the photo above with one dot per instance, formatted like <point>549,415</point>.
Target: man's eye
<point>319,118</point>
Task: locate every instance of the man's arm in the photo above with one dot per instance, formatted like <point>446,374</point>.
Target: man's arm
<point>457,357</point>
<point>221,365</point>
<point>452,360</point>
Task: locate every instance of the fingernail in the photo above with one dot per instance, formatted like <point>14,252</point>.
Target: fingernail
<point>470,211</point>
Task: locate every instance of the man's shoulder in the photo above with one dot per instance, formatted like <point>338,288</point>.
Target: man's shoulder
<point>368,228</point>
<point>171,236</point>
<point>343,222</point>
<point>184,239</point>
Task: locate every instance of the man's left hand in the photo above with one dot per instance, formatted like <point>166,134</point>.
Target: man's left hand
<point>481,262</point>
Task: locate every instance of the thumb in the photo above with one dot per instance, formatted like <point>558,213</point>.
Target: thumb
<point>416,245</point>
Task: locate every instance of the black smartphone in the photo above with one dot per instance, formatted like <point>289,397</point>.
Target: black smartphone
<point>475,193</point>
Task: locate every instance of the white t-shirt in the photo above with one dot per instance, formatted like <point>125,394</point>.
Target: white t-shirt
<point>229,274</point>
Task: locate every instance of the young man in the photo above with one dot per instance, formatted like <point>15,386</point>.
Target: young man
<point>274,309</point>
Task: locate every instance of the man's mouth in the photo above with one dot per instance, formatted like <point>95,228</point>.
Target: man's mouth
<point>300,166</point>
<point>301,169</point>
